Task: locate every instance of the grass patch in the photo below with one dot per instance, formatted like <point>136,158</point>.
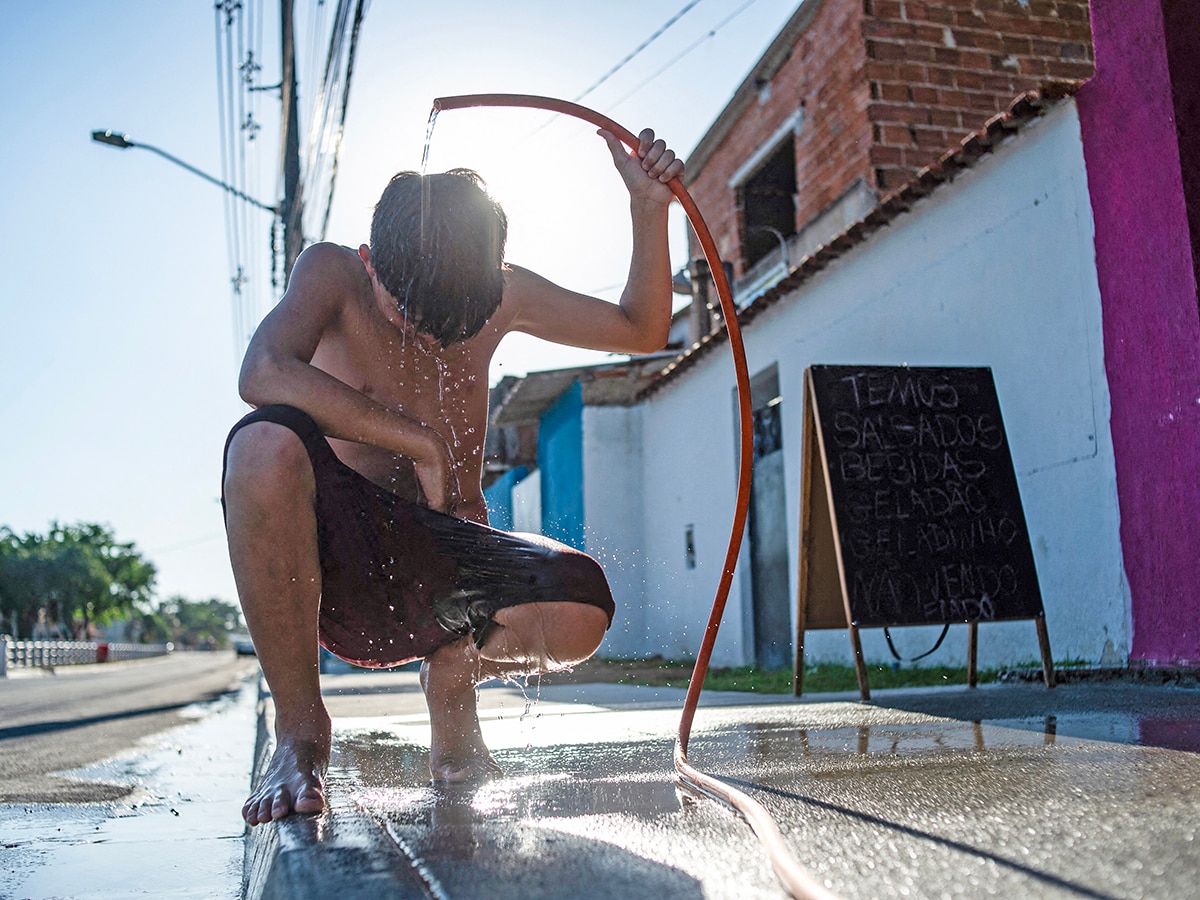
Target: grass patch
<point>821,678</point>
<point>827,677</point>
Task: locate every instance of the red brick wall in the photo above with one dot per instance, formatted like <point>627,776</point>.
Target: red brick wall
<point>887,87</point>
<point>939,69</point>
<point>825,73</point>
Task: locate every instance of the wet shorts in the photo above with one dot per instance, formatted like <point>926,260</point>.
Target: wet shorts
<point>399,580</point>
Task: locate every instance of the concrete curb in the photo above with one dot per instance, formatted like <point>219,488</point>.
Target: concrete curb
<point>342,853</point>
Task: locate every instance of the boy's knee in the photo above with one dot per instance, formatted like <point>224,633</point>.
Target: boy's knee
<point>546,636</point>
<point>264,456</point>
<point>583,581</point>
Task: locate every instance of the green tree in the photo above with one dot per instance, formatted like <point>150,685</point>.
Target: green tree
<point>150,628</point>
<point>198,623</point>
<point>74,575</point>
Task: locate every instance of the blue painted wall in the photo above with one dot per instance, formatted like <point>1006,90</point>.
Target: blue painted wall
<point>560,458</point>
<point>498,497</point>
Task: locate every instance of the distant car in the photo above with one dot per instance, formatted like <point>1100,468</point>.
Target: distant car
<point>242,645</point>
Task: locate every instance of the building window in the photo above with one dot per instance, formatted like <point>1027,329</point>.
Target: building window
<point>768,204</point>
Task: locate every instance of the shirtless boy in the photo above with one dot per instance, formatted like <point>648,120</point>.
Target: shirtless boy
<point>353,502</point>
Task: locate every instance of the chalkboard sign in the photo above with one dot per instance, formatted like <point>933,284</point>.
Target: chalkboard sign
<point>911,510</point>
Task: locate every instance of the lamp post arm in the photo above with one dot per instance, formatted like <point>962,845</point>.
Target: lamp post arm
<point>123,142</point>
<point>274,210</point>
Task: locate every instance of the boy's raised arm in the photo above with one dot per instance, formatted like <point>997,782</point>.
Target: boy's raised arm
<point>640,323</point>
<point>277,369</point>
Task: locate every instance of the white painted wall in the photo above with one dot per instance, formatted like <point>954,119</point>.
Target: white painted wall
<point>996,269</point>
<point>613,499</point>
<point>527,503</point>
<point>691,474</point>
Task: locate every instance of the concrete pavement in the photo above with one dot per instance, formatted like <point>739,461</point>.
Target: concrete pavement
<point>1088,790</point>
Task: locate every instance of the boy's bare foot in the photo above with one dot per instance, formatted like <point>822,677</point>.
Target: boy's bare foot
<point>294,781</point>
<point>457,752</point>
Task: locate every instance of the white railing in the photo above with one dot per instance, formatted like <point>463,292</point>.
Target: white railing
<point>117,652</point>
<point>23,654</point>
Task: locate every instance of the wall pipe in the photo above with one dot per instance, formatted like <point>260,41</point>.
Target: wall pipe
<point>794,878</point>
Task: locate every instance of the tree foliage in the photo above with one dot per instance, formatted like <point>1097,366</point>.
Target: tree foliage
<point>199,623</point>
<point>73,576</point>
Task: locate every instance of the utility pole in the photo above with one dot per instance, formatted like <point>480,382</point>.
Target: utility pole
<point>292,208</point>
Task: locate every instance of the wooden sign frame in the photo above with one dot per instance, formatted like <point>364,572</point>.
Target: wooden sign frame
<point>823,598</point>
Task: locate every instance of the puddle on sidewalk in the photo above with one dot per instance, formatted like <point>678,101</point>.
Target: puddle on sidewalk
<point>179,834</point>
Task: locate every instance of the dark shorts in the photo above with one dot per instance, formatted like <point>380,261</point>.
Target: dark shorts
<point>399,580</point>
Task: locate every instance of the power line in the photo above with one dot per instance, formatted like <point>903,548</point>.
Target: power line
<point>238,47</point>
<point>711,34</point>
<point>345,103</point>
<point>328,117</point>
<point>642,46</point>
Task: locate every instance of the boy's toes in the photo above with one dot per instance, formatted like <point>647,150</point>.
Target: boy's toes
<point>309,800</point>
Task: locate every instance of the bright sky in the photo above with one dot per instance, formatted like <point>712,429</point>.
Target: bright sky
<point>117,342</point>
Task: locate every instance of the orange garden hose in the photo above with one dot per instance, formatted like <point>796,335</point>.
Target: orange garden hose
<point>793,877</point>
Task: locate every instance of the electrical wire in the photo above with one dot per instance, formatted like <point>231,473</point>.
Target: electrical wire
<point>238,40</point>
<point>639,48</point>
<point>712,33</point>
<point>226,11</point>
<point>359,13</point>
<point>327,117</point>
<point>707,36</point>
<point>314,158</point>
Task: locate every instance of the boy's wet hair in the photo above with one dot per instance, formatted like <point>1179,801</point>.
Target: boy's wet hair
<point>437,246</point>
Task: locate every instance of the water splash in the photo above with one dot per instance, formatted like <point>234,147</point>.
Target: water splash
<point>530,703</point>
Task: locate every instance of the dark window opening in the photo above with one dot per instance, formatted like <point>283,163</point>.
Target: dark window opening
<point>768,204</point>
<point>768,429</point>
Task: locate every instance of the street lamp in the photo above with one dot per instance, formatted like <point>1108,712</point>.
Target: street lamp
<point>123,142</point>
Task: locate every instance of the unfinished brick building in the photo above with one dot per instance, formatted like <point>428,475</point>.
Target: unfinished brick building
<point>852,99</point>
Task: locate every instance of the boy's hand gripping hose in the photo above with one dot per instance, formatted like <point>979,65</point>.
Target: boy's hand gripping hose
<point>793,877</point>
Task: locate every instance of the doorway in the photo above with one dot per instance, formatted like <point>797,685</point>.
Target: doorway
<point>770,597</point>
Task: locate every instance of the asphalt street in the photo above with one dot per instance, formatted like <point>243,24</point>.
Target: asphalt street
<point>76,715</point>
<point>174,829</point>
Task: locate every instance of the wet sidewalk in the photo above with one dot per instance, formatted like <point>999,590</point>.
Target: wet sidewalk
<point>1088,790</point>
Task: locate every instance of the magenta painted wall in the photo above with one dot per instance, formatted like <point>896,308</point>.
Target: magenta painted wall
<point>1151,323</point>
<point>1181,22</point>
